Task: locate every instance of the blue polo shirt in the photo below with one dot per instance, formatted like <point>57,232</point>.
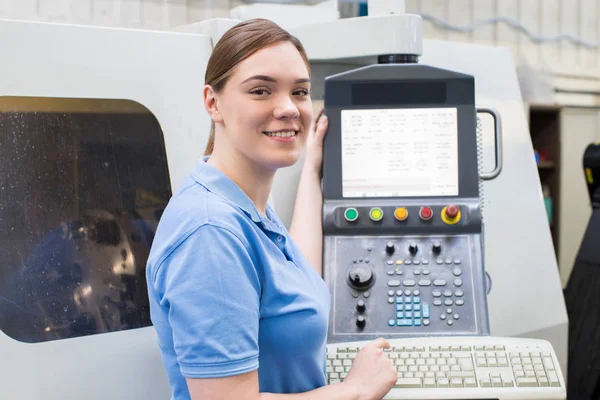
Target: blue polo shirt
<point>230,292</point>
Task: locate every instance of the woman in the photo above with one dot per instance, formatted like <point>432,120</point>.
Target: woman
<point>239,310</point>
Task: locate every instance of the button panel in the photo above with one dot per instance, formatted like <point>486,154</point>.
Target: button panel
<point>446,215</point>
<point>403,299</point>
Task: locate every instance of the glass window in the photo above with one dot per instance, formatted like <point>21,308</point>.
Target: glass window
<point>83,183</point>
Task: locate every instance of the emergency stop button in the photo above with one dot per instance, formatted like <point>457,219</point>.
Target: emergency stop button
<point>425,213</point>
<point>451,214</point>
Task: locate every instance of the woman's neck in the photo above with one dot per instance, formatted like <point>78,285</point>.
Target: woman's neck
<point>254,180</point>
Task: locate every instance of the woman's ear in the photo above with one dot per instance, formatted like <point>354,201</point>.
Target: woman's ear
<point>211,104</point>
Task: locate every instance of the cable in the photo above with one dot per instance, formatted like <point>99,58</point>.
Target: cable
<point>514,24</point>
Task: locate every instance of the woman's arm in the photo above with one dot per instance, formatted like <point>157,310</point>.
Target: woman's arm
<point>306,226</point>
<point>245,387</point>
<point>371,377</point>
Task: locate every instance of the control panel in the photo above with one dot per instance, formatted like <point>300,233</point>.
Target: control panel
<point>401,217</point>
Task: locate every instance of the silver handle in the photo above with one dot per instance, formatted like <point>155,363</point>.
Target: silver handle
<point>498,142</point>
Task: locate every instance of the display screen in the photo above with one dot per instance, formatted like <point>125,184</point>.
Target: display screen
<point>408,152</point>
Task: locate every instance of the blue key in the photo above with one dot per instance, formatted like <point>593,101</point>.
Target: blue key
<point>400,322</point>
<point>417,307</point>
<point>391,322</point>
<point>417,322</point>
<point>417,314</point>
<point>408,314</point>
<point>408,307</point>
<point>407,299</point>
<point>416,299</point>
<point>399,314</point>
<point>409,322</point>
<point>399,300</point>
<point>399,307</point>
<point>425,310</point>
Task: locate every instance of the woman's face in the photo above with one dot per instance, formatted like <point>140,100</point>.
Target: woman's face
<point>265,109</point>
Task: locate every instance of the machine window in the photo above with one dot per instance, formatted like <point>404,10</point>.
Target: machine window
<point>399,152</point>
<point>83,183</point>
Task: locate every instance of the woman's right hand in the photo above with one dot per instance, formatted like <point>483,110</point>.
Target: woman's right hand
<point>372,374</point>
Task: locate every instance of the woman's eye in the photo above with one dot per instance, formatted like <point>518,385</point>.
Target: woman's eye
<point>302,92</point>
<point>259,91</point>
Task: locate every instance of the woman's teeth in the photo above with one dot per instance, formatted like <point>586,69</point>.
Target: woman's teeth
<point>281,134</point>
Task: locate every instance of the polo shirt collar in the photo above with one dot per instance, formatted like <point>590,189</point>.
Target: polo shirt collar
<point>220,184</point>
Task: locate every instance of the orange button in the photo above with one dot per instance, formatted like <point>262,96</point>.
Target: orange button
<point>401,213</point>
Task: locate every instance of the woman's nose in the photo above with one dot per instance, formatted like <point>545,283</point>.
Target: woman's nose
<point>286,109</point>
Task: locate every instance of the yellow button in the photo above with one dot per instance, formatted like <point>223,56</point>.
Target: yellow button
<point>401,213</point>
<point>376,214</point>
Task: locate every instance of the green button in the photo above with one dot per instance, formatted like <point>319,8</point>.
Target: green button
<point>376,214</point>
<point>351,214</point>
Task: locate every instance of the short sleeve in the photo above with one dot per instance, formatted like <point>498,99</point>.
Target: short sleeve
<point>211,290</point>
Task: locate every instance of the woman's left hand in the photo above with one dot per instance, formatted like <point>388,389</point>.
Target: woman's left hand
<point>314,143</point>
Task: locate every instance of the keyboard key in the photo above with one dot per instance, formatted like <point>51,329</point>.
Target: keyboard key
<point>429,383</point>
<point>408,383</point>
<point>553,378</point>
<point>527,382</point>
<point>470,383</point>
<point>443,383</point>
<point>456,382</point>
<point>548,363</point>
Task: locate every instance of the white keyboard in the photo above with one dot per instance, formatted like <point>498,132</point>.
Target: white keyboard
<point>477,367</point>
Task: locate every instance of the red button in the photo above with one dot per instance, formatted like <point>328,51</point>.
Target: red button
<point>452,211</point>
<point>425,213</point>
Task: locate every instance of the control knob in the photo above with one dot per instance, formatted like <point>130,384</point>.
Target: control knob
<point>361,306</point>
<point>437,247</point>
<point>360,277</point>
<point>389,248</point>
<point>412,248</point>
<point>361,321</point>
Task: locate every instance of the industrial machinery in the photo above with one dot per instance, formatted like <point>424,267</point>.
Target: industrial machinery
<point>97,117</point>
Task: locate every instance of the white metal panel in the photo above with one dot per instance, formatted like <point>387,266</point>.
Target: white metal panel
<point>105,12</point>
<point>413,6</point>
<point>590,31</point>
<point>550,26</point>
<point>460,14</point>
<point>578,128</point>
<point>176,12</point>
<point>570,25</point>
<point>506,36</point>
<point>130,13</point>
<point>529,16</point>
<point>164,72</point>
<point>153,14</point>
<point>482,10</point>
<point>79,12</point>
<point>437,9</point>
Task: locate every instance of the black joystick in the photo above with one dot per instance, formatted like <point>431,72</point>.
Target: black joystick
<point>361,321</point>
<point>361,306</point>
<point>437,247</point>
<point>412,248</point>
<point>389,248</point>
<point>360,277</point>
